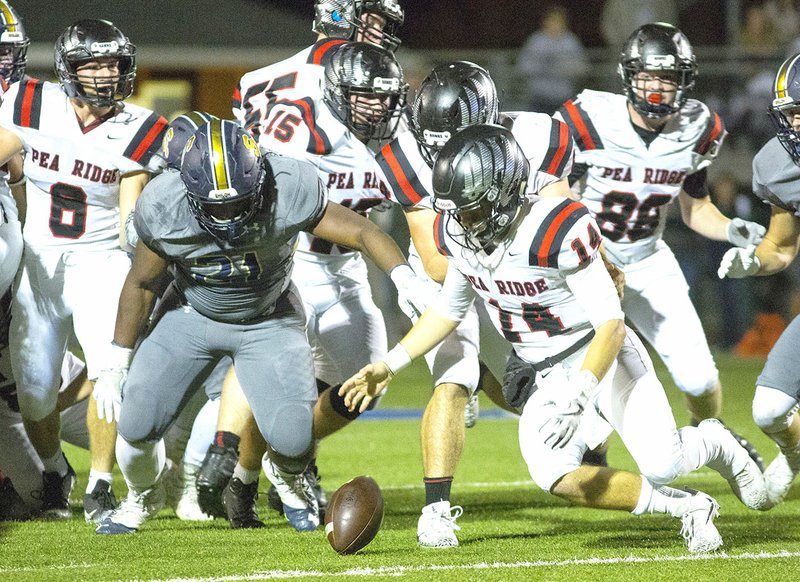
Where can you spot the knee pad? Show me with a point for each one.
(663, 472)
(37, 404)
(773, 409)
(697, 384)
(289, 430)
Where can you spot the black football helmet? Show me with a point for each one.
(224, 175)
(452, 97)
(786, 98)
(658, 47)
(13, 44)
(479, 181)
(179, 132)
(345, 18)
(90, 40)
(365, 90)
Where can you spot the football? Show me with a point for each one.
(354, 515)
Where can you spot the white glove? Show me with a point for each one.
(743, 233)
(739, 263)
(564, 415)
(108, 386)
(413, 292)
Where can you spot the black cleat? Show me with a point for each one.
(99, 503)
(214, 474)
(240, 504)
(55, 493)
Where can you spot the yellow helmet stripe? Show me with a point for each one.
(8, 17)
(780, 79)
(219, 159)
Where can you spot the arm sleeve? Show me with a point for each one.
(456, 296)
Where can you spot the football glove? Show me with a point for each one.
(743, 233)
(564, 414)
(739, 263)
(413, 293)
(108, 386)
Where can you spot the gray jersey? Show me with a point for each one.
(225, 282)
(776, 177)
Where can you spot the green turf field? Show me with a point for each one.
(510, 529)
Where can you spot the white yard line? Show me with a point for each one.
(402, 570)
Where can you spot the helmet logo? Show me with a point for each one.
(384, 84)
(223, 194)
(659, 61)
(104, 47)
(189, 143)
(165, 142)
(444, 204)
(11, 36)
(435, 138)
(250, 143)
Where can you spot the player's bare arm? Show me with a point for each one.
(420, 226)
(10, 145)
(703, 217)
(342, 226)
(559, 188)
(130, 186)
(772, 255)
(138, 294)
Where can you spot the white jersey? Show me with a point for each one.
(289, 116)
(74, 172)
(527, 282)
(629, 184)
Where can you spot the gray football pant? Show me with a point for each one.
(272, 359)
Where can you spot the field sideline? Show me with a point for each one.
(510, 529)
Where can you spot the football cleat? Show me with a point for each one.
(698, 527)
(240, 504)
(99, 503)
(437, 525)
(187, 507)
(471, 411)
(274, 500)
(297, 496)
(134, 510)
(215, 472)
(55, 493)
(736, 466)
(748, 446)
(779, 477)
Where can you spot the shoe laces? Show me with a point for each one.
(448, 518)
(104, 496)
(701, 515)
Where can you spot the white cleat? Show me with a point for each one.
(471, 411)
(437, 525)
(698, 527)
(132, 513)
(742, 472)
(779, 477)
(187, 507)
(297, 495)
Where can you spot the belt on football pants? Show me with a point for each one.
(551, 361)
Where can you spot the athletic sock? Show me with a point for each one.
(246, 476)
(56, 464)
(95, 476)
(228, 440)
(662, 500)
(437, 489)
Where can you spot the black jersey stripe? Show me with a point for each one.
(406, 186)
(147, 140)
(546, 245)
(28, 104)
(581, 126)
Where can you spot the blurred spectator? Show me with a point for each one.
(552, 61)
(784, 16)
(758, 36)
(621, 17)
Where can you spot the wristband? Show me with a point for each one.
(397, 359)
(118, 357)
(400, 274)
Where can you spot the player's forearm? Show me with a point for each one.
(380, 248)
(135, 304)
(703, 217)
(431, 328)
(774, 258)
(604, 347)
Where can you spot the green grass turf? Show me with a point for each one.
(510, 529)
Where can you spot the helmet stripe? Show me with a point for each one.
(8, 17)
(781, 78)
(197, 118)
(217, 149)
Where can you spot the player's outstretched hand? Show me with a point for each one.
(738, 263)
(359, 390)
(743, 233)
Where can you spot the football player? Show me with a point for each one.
(227, 224)
(87, 154)
(295, 83)
(636, 154)
(454, 96)
(775, 179)
(534, 263)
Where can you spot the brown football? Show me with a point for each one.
(354, 515)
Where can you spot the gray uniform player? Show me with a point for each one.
(227, 224)
(776, 176)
